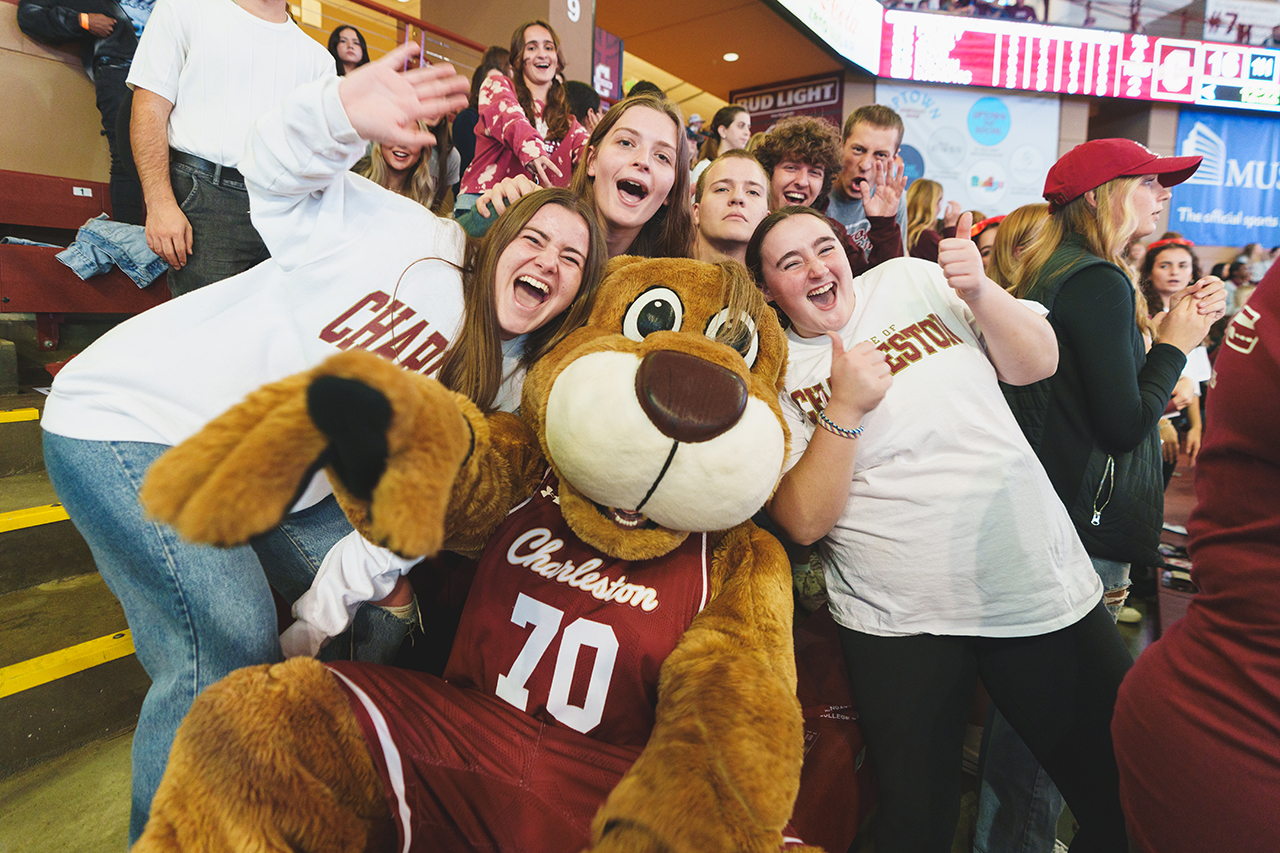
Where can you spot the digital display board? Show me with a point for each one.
(1041, 58)
(1066, 60)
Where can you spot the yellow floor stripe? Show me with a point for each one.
(10, 416)
(34, 517)
(55, 665)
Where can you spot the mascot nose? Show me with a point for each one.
(687, 398)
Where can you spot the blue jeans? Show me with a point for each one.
(223, 239)
(101, 244)
(196, 612)
(1018, 804)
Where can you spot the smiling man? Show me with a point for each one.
(731, 199)
(801, 154)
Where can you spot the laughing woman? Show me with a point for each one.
(520, 117)
(352, 265)
(634, 173)
(948, 557)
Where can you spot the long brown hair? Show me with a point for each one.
(443, 148)
(473, 365)
(669, 232)
(553, 112)
(494, 58)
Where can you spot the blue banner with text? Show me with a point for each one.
(1232, 198)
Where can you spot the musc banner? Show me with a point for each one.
(1232, 199)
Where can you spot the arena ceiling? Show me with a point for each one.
(690, 39)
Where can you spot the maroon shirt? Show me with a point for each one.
(1197, 723)
(562, 632)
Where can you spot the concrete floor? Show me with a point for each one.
(76, 803)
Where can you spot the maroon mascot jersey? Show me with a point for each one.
(548, 696)
(558, 630)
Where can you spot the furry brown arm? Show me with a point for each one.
(408, 460)
(722, 767)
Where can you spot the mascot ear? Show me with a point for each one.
(619, 262)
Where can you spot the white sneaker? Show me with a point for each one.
(1129, 615)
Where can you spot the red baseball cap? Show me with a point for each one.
(1093, 163)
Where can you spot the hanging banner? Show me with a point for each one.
(606, 75)
(1232, 199)
(989, 149)
(821, 96)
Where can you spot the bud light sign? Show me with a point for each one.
(1232, 199)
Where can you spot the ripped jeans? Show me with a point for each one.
(1115, 583)
(1018, 804)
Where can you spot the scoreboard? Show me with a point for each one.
(1041, 58)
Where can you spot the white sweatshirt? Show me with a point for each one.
(352, 266)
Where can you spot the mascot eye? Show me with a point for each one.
(656, 310)
(739, 334)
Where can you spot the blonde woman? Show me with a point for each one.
(924, 201)
(1093, 424)
(1012, 235)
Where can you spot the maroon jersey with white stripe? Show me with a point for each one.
(567, 634)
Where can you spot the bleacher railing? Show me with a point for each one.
(384, 28)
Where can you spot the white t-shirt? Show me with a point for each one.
(221, 68)
(453, 168)
(951, 526)
(339, 246)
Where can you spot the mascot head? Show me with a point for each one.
(661, 416)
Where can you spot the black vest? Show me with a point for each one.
(1116, 501)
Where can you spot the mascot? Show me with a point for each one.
(624, 675)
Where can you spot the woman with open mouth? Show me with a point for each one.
(948, 555)
(353, 266)
(634, 173)
(422, 174)
(522, 118)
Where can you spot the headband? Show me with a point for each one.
(1170, 241)
(979, 227)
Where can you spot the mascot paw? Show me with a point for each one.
(395, 444)
(270, 758)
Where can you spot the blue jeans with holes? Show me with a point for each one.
(1018, 804)
(223, 239)
(196, 612)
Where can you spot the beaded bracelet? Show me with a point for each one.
(830, 426)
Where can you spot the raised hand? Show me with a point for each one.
(890, 184)
(384, 103)
(951, 216)
(961, 261)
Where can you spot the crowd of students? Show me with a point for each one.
(975, 445)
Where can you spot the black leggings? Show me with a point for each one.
(1057, 690)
